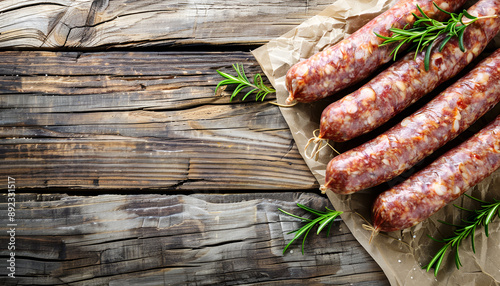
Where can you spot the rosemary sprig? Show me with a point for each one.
(426, 31)
(243, 82)
(323, 220)
(480, 217)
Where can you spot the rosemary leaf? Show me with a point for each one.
(324, 222)
(426, 31)
(444, 42)
(479, 217)
(427, 57)
(258, 87)
(323, 219)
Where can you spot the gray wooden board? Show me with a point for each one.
(130, 120)
(199, 239)
(84, 24)
(141, 122)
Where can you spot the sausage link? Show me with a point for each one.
(357, 56)
(441, 182)
(418, 135)
(406, 81)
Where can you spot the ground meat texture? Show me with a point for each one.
(417, 136)
(406, 81)
(441, 182)
(357, 56)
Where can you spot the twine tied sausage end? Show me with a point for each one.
(319, 144)
(374, 231)
(323, 189)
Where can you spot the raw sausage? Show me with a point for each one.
(407, 81)
(441, 182)
(357, 56)
(418, 135)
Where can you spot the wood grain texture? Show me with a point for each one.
(177, 240)
(122, 23)
(128, 120)
(141, 122)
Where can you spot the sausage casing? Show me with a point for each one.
(357, 56)
(443, 181)
(418, 135)
(406, 81)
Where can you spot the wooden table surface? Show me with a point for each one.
(130, 171)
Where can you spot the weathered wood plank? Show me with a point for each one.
(103, 23)
(176, 240)
(139, 120)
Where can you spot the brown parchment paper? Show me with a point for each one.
(402, 256)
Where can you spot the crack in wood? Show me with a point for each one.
(227, 244)
(145, 23)
(22, 5)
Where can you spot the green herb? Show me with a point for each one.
(323, 220)
(426, 31)
(480, 217)
(242, 81)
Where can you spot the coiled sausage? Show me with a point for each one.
(443, 181)
(357, 56)
(417, 136)
(406, 81)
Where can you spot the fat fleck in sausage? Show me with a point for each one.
(441, 182)
(407, 81)
(418, 135)
(357, 56)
